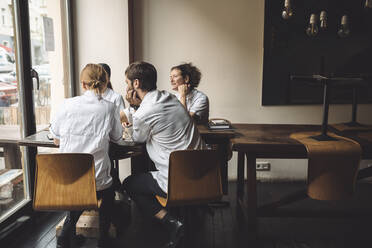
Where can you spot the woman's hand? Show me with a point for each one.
(132, 98)
(183, 89)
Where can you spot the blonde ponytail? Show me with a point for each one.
(94, 77)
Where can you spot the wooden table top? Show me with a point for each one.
(41, 139)
(273, 141)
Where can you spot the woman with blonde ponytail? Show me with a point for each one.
(94, 77)
(86, 124)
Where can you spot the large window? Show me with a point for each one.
(49, 56)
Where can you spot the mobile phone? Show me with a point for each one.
(49, 136)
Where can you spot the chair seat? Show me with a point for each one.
(65, 181)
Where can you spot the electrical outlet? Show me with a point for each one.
(262, 166)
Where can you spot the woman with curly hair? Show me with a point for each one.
(185, 78)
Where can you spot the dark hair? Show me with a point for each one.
(107, 68)
(191, 71)
(144, 72)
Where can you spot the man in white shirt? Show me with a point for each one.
(165, 125)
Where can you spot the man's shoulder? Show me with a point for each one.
(159, 97)
(156, 103)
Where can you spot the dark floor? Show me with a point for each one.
(227, 229)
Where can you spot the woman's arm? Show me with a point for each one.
(183, 90)
(116, 132)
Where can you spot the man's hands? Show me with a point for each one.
(183, 89)
(133, 98)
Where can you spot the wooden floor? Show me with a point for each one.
(226, 228)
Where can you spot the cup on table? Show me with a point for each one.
(128, 132)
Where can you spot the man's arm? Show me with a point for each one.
(141, 130)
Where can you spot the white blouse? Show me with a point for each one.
(197, 102)
(115, 98)
(164, 124)
(86, 124)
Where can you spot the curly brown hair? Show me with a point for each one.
(187, 69)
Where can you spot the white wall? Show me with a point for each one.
(225, 40)
(101, 29)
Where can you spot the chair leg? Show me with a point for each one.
(187, 221)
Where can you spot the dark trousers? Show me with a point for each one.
(105, 215)
(142, 188)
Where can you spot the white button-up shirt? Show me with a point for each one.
(115, 98)
(197, 102)
(164, 124)
(86, 124)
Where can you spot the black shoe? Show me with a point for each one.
(63, 242)
(175, 229)
(78, 240)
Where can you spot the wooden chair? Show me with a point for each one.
(194, 178)
(65, 181)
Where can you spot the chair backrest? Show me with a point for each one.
(194, 177)
(65, 181)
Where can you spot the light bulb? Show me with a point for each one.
(368, 4)
(323, 20)
(312, 30)
(287, 11)
(344, 30)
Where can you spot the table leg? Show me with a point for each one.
(240, 186)
(222, 150)
(251, 195)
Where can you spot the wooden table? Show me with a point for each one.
(41, 139)
(268, 141)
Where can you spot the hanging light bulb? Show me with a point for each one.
(323, 20)
(368, 4)
(287, 11)
(312, 30)
(344, 30)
